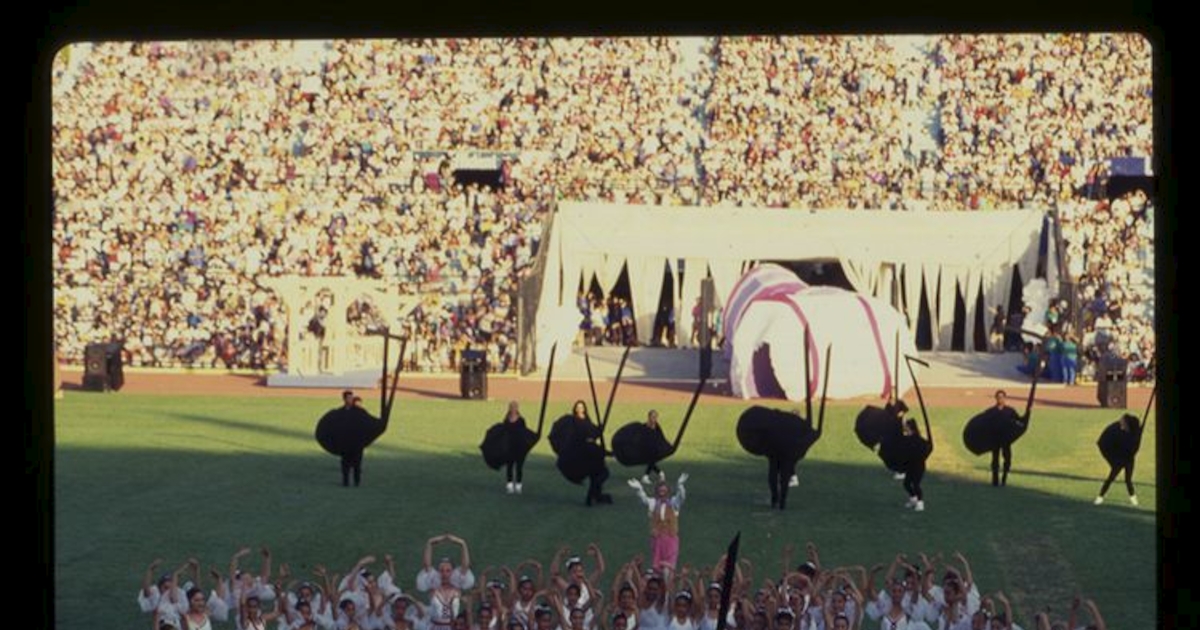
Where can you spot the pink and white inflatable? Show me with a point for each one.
(769, 313)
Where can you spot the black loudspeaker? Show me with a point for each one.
(102, 367)
(1111, 383)
(473, 375)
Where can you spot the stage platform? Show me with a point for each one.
(947, 369)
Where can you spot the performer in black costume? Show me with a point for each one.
(880, 428)
(912, 451)
(783, 437)
(996, 428)
(579, 444)
(508, 442)
(1119, 444)
(643, 443)
(887, 427)
(576, 440)
(352, 457)
(914, 469)
(348, 430)
(1012, 423)
(514, 423)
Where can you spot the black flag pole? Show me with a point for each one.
(611, 394)
(687, 416)
(1037, 372)
(824, 389)
(387, 414)
(896, 370)
(731, 556)
(1149, 403)
(383, 379)
(920, 399)
(807, 381)
(1146, 415)
(587, 362)
(546, 390)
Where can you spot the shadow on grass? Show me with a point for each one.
(297, 500)
(266, 431)
(1098, 479)
(428, 393)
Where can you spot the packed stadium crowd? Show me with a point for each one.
(574, 593)
(1111, 249)
(188, 173)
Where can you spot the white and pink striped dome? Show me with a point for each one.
(769, 314)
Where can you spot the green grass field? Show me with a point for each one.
(137, 477)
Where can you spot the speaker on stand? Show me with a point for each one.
(1111, 383)
(102, 370)
(473, 375)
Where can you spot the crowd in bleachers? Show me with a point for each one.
(1110, 247)
(578, 592)
(186, 173)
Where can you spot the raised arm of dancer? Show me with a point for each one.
(220, 587)
(556, 601)
(427, 555)
(464, 563)
(482, 586)
(593, 550)
(325, 613)
(857, 570)
(537, 571)
(747, 569)
(1008, 614)
(968, 577)
(348, 582)
(290, 613)
(498, 603)
(1095, 612)
(639, 580)
(697, 585)
(387, 580)
(556, 567)
(233, 561)
(926, 563)
(285, 573)
(641, 492)
(376, 607)
(148, 581)
(619, 580)
(278, 610)
(926, 585)
(265, 574)
(511, 577)
(899, 560)
(813, 557)
(788, 550)
(871, 592)
(857, 596)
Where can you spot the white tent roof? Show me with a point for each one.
(971, 250)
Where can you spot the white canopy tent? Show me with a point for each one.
(952, 252)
